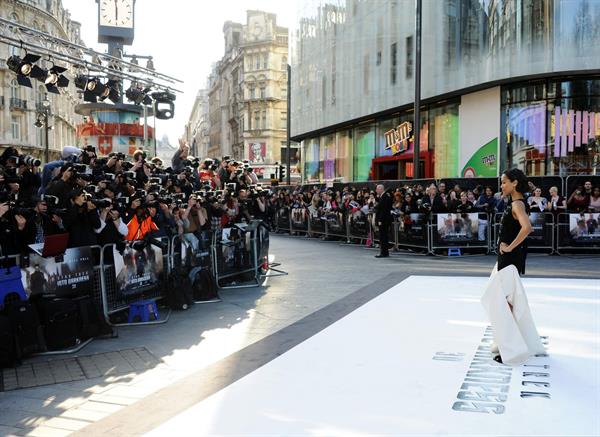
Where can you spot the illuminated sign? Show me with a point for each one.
(398, 140)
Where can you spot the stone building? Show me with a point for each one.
(197, 131)
(247, 95)
(19, 105)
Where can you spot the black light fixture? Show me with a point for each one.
(55, 79)
(110, 91)
(24, 67)
(91, 86)
(138, 95)
(164, 106)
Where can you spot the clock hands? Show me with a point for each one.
(117, 11)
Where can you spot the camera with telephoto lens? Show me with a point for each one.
(130, 174)
(27, 160)
(50, 200)
(126, 165)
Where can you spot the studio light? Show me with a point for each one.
(138, 95)
(110, 91)
(150, 64)
(91, 86)
(164, 106)
(24, 68)
(55, 79)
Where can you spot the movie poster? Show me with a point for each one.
(412, 228)
(137, 270)
(457, 227)
(584, 227)
(71, 275)
(538, 222)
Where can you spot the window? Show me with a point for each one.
(284, 62)
(409, 57)
(333, 90)
(252, 92)
(264, 119)
(15, 127)
(378, 61)
(283, 119)
(249, 63)
(266, 61)
(263, 91)
(257, 62)
(14, 89)
(394, 59)
(256, 120)
(324, 91)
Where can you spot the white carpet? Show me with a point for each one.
(397, 365)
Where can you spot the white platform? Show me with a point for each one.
(379, 371)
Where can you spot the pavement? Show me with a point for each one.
(131, 384)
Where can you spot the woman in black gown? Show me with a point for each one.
(514, 228)
(515, 225)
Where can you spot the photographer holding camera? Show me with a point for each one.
(45, 221)
(82, 219)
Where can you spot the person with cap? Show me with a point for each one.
(81, 219)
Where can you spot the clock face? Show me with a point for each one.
(116, 13)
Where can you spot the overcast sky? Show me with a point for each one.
(184, 36)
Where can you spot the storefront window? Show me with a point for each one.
(443, 139)
(364, 151)
(328, 157)
(311, 160)
(343, 164)
(384, 126)
(524, 136)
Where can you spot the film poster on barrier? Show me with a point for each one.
(584, 228)
(457, 228)
(538, 222)
(66, 276)
(137, 270)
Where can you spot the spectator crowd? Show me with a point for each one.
(106, 200)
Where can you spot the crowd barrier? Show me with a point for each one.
(121, 274)
(475, 232)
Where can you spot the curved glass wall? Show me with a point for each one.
(352, 58)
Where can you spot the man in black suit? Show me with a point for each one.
(383, 218)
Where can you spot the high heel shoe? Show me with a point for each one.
(498, 359)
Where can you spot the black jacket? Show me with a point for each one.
(383, 209)
(81, 224)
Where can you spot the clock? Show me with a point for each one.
(116, 13)
(116, 21)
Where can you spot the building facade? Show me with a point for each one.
(247, 95)
(197, 129)
(504, 83)
(19, 105)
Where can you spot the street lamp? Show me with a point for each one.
(42, 121)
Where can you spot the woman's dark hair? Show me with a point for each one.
(514, 174)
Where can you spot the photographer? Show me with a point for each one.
(112, 228)
(81, 219)
(62, 185)
(141, 224)
(13, 239)
(44, 222)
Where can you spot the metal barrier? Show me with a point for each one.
(236, 256)
(458, 230)
(114, 300)
(335, 223)
(283, 220)
(317, 224)
(299, 220)
(578, 231)
(359, 226)
(542, 237)
(193, 250)
(412, 231)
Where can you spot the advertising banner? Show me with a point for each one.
(65, 276)
(457, 228)
(584, 228)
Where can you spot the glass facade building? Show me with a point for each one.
(504, 83)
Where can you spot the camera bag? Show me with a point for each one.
(60, 320)
(8, 351)
(179, 290)
(26, 328)
(204, 285)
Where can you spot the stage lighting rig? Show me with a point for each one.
(138, 95)
(110, 91)
(164, 106)
(24, 68)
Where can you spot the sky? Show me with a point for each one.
(185, 37)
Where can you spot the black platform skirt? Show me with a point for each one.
(517, 258)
